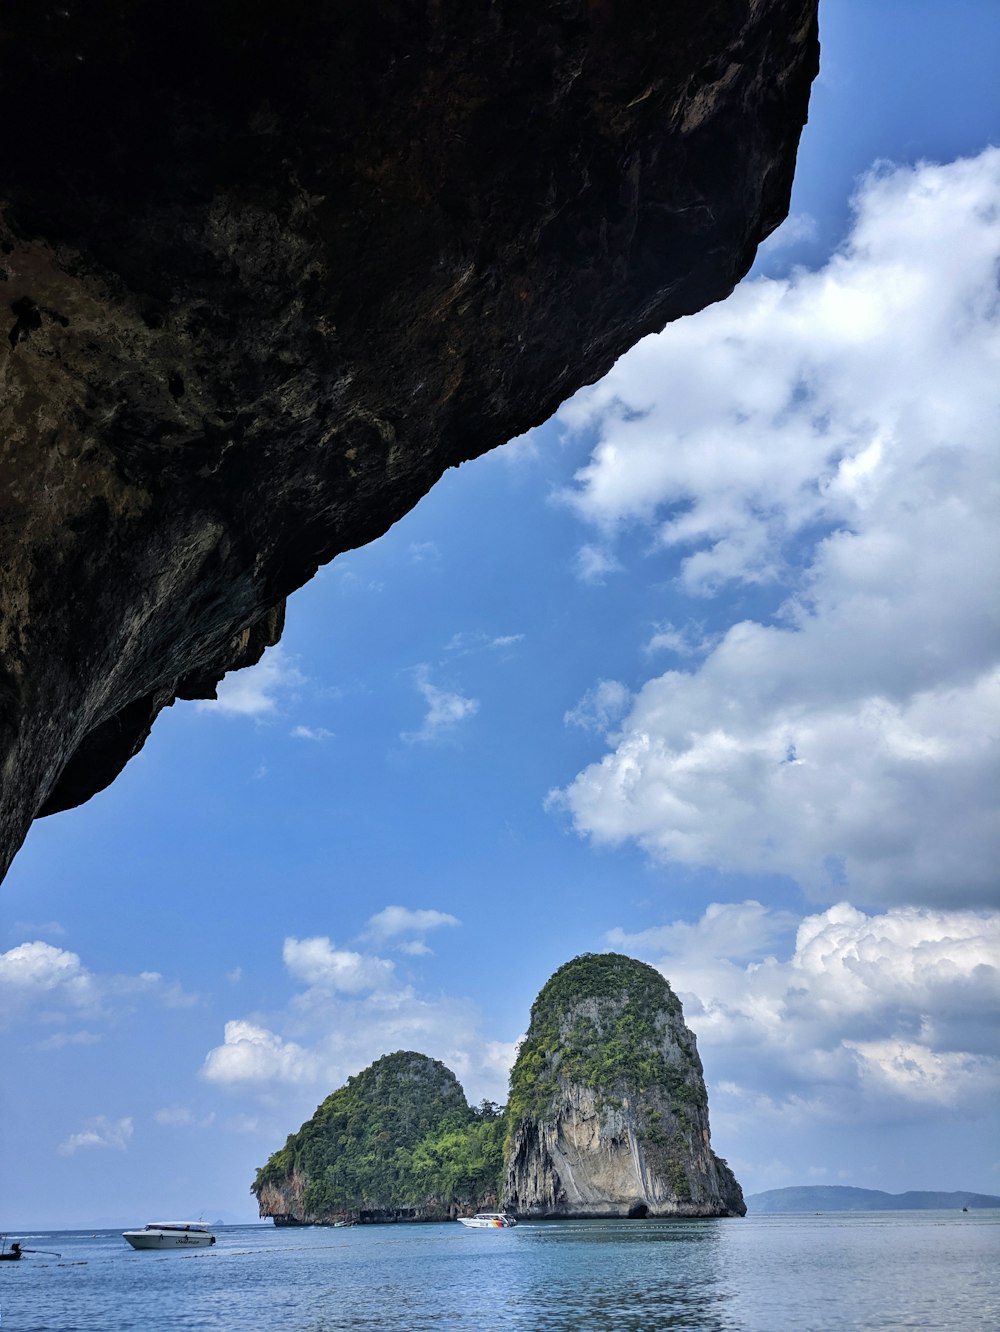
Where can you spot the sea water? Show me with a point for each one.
(783, 1273)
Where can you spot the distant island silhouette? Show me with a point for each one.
(844, 1198)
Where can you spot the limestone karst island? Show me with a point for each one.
(607, 1117)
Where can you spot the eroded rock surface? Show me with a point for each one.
(608, 1113)
(270, 269)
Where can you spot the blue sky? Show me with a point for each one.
(703, 670)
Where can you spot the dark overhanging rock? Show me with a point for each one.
(270, 269)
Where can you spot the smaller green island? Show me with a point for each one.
(398, 1142)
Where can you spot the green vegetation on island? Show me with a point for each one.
(607, 1047)
(607, 1039)
(612, 1044)
(400, 1135)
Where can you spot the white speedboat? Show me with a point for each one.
(489, 1221)
(170, 1235)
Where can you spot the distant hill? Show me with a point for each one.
(842, 1198)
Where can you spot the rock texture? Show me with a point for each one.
(608, 1114)
(269, 269)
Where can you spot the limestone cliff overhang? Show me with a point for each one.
(269, 269)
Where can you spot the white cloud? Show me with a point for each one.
(908, 1069)
(255, 691)
(468, 642)
(317, 962)
(99, 1132)
(499, 1056)
(744, 930)
(337, 1036)
(519, 451)
(33, 970)
(866, 1015)
(350, 1014)
(406, 928)
(445, 710)
(832, 435)
(37, 979)
(594, 561)
(687, 641)
(601, 707)
(251, 1054)
(796, 227)
(311, 733)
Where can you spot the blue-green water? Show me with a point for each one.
(786, 1273)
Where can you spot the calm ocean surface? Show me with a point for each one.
(775, 1273)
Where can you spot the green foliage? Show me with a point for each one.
(667, 1154)
(396, 1135)
(677, 1176)
(594, 1024)
(400, 1134)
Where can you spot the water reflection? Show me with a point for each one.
(627, 1275)
(852, 1271)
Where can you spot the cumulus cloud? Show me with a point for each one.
(317, 962)
(909, 1069)
(352, 1012)
(831, 436)
(337, 1036)
(99, 1132)
(689, 640)
(256, 691)
(797, 227)
(498, 1057)
(47, 982)
(445, 710)
(842, 1012)
(733, 930)
(252, 1055)
(595, 561)
(601, 707)
(36, 969)
(405, 929)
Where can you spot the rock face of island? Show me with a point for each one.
(608, 1114)
(398, 1142)
(269, 270)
